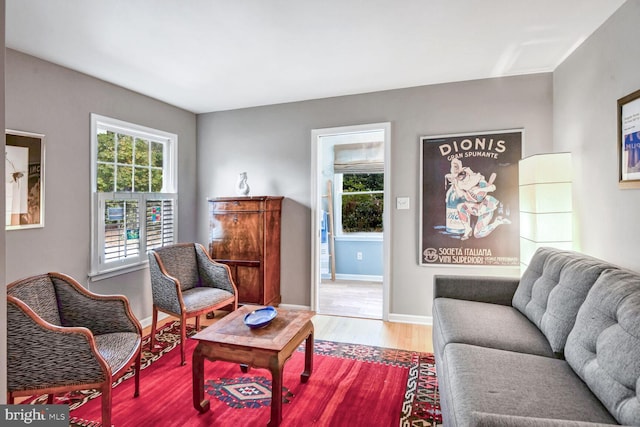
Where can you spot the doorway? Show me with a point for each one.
(350, 220)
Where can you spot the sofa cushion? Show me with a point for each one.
(552, 290)
(486, 380)
(482, 419)
(604, 346)
(486, 325)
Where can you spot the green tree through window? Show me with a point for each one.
(362, 202)
(128, 164)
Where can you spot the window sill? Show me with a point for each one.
(368, 237)
(113, 272)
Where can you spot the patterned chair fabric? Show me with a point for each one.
(186, 282)
(61, 337)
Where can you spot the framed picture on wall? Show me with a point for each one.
(469, 199)
(24, 180)
(629, 141)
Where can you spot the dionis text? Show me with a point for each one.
(480, 147)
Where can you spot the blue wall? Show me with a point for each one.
(347, 262)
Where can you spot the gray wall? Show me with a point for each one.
(45, 98)
(273, 144)
(586, 88)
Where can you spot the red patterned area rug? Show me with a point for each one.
(351, 385)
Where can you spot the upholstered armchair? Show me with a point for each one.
(185, 283)
(61, 337)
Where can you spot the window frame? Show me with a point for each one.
(338, 192)
(100, 269)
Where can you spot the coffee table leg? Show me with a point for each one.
(197, 377)
(308, 358)
(276, 394)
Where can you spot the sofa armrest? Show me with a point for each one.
(496, 290)
(483, 419)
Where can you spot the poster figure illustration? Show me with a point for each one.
(24, 158)
(474, 225)
(470, 192)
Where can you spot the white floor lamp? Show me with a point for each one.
(545, 203)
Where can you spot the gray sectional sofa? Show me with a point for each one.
(558, 347)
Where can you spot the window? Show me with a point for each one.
(359, 180)
(134, 194)
(361, 199)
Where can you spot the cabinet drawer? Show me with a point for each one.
(237, 206)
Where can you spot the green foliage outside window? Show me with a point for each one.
(362, 203)
(128, 164)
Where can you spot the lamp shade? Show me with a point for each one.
(545, 203)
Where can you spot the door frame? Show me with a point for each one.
(316, 196)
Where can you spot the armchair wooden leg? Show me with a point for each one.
(183, 338)
(198, 323)
(154, 321)
(10, 398)
(106, 404)
(136, 393)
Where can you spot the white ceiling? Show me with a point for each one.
(212, 55)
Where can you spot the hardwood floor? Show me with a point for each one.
(358, 331)
(350, 298)
(373, 332)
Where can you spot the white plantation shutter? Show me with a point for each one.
(131, 224)
(121, 230)
(160, 223)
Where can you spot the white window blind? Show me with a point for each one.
(361, 157)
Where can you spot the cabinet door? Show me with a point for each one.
(250, 288)
(236, 236)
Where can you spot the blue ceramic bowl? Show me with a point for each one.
(260, 318)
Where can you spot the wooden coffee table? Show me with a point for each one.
(230, 340)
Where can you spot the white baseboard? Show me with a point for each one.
(295, 307)
(147, 320)
(405, 318)
(355, 277)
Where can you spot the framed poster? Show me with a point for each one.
(629, 141)
(469, 207)
(24, 180)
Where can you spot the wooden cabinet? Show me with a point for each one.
(244, 233)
